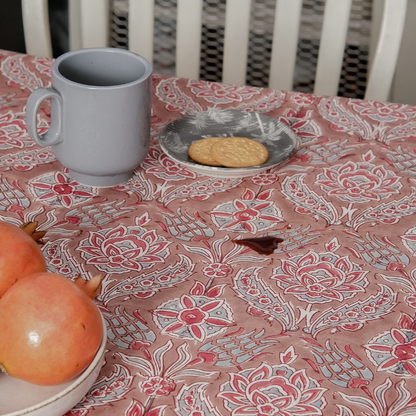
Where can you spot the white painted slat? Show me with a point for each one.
(236, 35)
(188, 38)
(74, 23)
(141, 27)
(95, 23)
(36, 28)
(285, 42)
(332, 46)
(387, 51)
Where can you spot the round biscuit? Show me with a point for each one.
(239, 152)
(200, 151)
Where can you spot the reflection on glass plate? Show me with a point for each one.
(278, 138)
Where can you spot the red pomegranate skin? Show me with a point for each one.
(20, 256)
(50, 330)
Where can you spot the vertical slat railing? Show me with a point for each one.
(95, 23)
(285, 42)
(188, 38)
(141, 27)
(332, 46)
(36, 28)
(387, 51)
(236, 37)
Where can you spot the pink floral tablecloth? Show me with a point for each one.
(198, 325)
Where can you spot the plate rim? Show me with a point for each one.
(217, 170)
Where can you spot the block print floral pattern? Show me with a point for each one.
(58, 189)
(394, 351)
(193, 317)
(252, 213)
(384, 112)
(199, 325)
(214, 92)
(320, 277)
(272, 390)
(359, 182)
(123, 249)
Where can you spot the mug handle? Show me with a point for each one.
(53, 135)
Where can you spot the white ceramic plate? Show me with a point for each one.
(19, 398)
(278, 138)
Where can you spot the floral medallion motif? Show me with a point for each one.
(252, 213)
(193, 317)
(272, 390)
(394, 351)
(383, 111)
(123, 249)
(217, 93)
(359, 182)
(320, 278)
(57, 189)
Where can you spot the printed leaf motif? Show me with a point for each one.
(27, 160)
(168, 92)
(99, 214)
(288, 356)
(160, 380)
(352, 317)
(252, 289)
(402, 405)
(265, 104)
(380, 253)
(387, 212)
(138, 185)
(128, 331)
(343, 368)
(14, 69)
(186, 227)
(12, 197)
(344, 120)
(307, 201)
(344, 411)
(237, 348)
(146, 285)
(192, 400)
(201, 190)
(108, 389)
(400, 132)
(59, 259)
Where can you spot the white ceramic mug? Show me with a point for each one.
(100, 110)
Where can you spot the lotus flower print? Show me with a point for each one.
(359, 182)
(123, 249)
(272, 391)
(320, 278)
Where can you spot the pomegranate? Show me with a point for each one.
(20, 255)
(50, 329)
(90, 287)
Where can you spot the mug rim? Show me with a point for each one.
(147, 65)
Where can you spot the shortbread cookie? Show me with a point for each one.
(200, 151)
(239, 152)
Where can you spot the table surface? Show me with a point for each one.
(198, 325)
